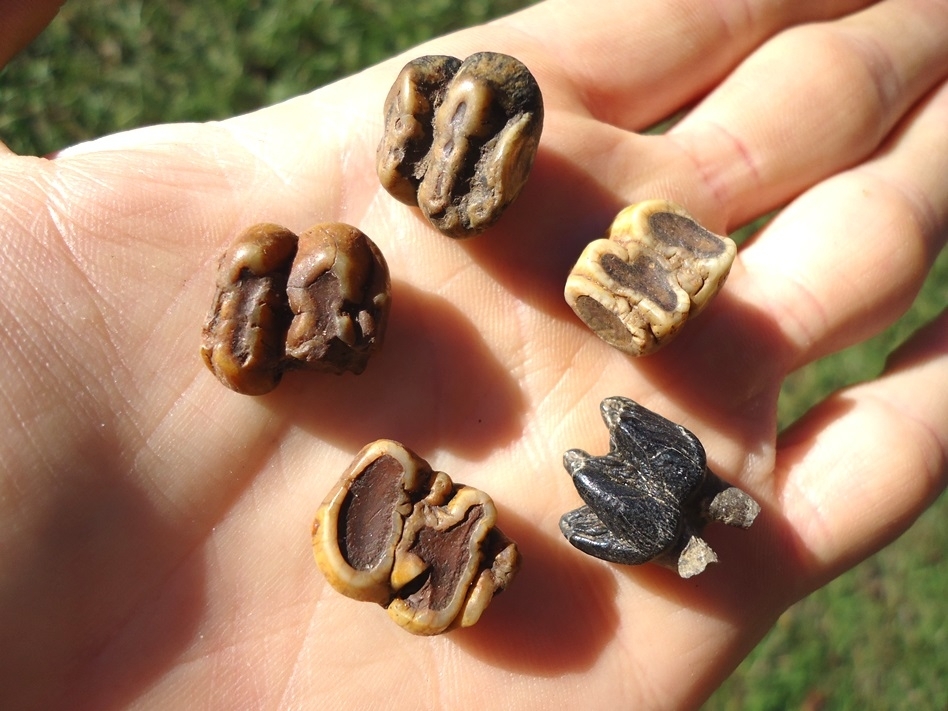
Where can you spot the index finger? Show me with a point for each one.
(659, 57)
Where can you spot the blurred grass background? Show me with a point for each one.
(876, 638)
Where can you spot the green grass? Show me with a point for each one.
(876, 638)
(108, 65)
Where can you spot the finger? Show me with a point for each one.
(22, 21)
(839, 264)
(848, 257)
(659, 56)
(813, 100)
(857, 471)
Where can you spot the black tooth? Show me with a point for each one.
(640, 497)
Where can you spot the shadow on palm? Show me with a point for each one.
(436, 384)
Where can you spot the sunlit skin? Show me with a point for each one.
(155, 526)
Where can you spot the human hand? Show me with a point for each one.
(156, 546)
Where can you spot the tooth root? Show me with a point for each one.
(695, 557)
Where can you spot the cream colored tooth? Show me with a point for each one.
(655, 268)
(393, 531)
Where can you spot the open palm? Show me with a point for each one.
(155, 547)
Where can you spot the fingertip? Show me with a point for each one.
(23, 20)
(858, 469)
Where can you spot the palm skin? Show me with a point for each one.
(155, 548)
